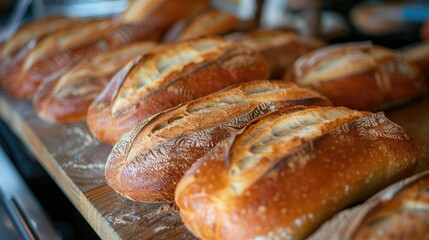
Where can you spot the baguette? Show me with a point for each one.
(280, 48)
(175, 74)
(148, 161)
(418, 54)
(360, 76)
(14, 49)
(62, 49)
(398, 212)
(287, 173)
(66, 98)
(160, 14)
(211, 21)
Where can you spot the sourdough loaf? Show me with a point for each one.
(66, 98)
(63, 48)
(160, 14)
(147, 162)
(360, 76)
(287, 173)
(280, 48)
(398, 212)
(210, 21)
(15, 48)
(175, 74)
(418, 54)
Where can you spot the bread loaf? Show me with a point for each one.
(66, 98)
(280, 48)
(210, 21)
(160, 14)
(287, 173)
(175, 74)
(148, 161)
(360, 76)
(418, 54)
(398, 212)
(63, 48)
(15, 48)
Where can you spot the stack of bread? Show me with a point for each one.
(195, 119)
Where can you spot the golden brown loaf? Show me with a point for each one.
(147, 162)
(360, 76)
(67, 97)
(175, 74)
(207, 22)
(290, 171)
(15, 48)
(63, 48)
(418, 54)
(161, 14)
(398, 212)
(280, 48)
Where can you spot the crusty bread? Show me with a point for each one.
(360, 76)
(148, 161)
(63, 48)
(290, 171)
(161, 14)
(15, 48)
(280, 48)
(175, 74)
(418, 54)
(66, 98)
(210, 21)
(398, 212)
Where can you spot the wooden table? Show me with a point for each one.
(75, 160)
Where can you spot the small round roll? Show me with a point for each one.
(291, 170)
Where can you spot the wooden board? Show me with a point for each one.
(75, 160)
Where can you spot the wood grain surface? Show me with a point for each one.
(75, 160)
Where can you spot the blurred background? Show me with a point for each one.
(391, 23)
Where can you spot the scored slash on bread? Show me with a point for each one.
(359, 75)
(398, 212)
(14, 49)
(63, 48)
(175, 74)
(66, 98)
(291, 170)
(147, 162)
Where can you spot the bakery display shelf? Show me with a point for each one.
(76, 160)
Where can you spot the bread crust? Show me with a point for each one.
(360, 76)
(14, 49)
(418, 54)
(280, 48)
(66, 98)
(290, 171)
(176, 74)
(63, 48)
(162, 14)
(397, 212)
(147, 162)
(207, 22)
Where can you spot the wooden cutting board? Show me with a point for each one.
(75, 160)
